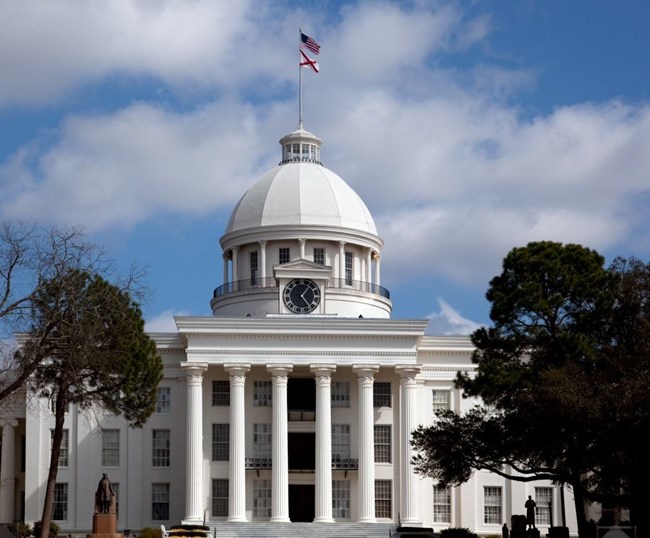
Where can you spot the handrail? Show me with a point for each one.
(254, 284)
(345, 464)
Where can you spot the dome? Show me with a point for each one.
(300, 191)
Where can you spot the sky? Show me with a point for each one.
(467, 127)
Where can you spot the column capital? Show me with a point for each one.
(11, 422)
(365, 371)
(322, 370)
(302, 240)
(408, 373)
(194, 371)
(342, 243)
(262, 242)
(279, 370)
(237, 369)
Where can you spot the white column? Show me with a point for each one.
(366, 374)
(237, 454)
(323, 508)
(280, 443)
(342, 263)
(194, 467)
(302, 242)
(225, 269)
(369, 266)
(235, 270)
(377, 269)
(408, 422)
(8, 471)
(262, 262)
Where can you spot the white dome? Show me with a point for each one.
(301, 193)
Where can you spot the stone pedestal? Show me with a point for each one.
(105, 526)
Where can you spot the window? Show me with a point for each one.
(341, 499)
(348, 268)
(221, 392)
(160, 502)
(65, 447)
(261, 498)
(319, 256)
(544, 500)
(110, 448)
(220, 497)
(262, 393)
(261, 440)
(441, 504)
(382, 444)
(160, 444)
(163, 400)
(220, 442)
(492, 506)
(383, 498)
(441, 400)
(381, 394)
(340, 441)
(285, 255)
(340, 394)
(60, 506)
(253, 259)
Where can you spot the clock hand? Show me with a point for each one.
(302, 296)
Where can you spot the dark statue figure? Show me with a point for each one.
(530, 513)
(104, 496)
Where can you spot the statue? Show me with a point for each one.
(104, 496)
(530, 513)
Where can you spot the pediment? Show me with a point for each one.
(302, 269)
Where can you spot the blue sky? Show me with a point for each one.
(468, 128)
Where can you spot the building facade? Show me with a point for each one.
(293, 402)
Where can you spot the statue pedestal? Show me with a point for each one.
(104, 526)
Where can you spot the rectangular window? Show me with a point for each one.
(160, 502)
(163, 400)
(262, 393)
(262, 498)
(261, 440)
(319, 256)
(383, 498)
(381, 394)
(65, 447)
(220, 497)
(161, 447)
(382, 444)
(284, 255)
(110, 448)
(221, 392)
(441, 400)
(60, 506)
(340, 441)
(220, 442)
(348, 268)
(341, 499)
(254, 268)
(492, 506)
(441, 504)
(544, 508)
(340, 394)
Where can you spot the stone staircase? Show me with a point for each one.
(300, 530)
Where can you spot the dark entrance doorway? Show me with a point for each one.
(301, 399)
(302, 452)
(301, 502)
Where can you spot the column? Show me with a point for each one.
(262, 263)
(342, 263)
(225, 269)
(8, 470)
(237, 454)
(280, 443)
(369, 267)
(377, 280)
(408, 422)
(194, 468)
(366, 486)
(323, 376)
(235, 270)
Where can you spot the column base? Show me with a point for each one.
(367, 520)
(411, 522)
(280, 520)
(237, 519)
(192, 521)
(323, 520)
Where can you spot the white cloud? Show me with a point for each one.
(448, 321)
(163, 322)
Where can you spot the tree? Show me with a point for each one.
(30, 256)
(539, 375)
(89, 344)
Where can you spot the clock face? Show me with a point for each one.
(301, 295)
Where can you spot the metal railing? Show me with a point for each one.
(253, 284)
(345, 464)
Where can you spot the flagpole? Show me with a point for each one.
(299, 80)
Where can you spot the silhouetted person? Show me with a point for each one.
(530, 513)
(104, 495)
(505, 533)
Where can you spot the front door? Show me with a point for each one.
(301, 502)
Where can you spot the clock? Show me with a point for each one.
(301, 295)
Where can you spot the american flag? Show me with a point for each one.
(308, 43)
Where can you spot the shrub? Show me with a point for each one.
(457, 532)
(54, 529)
(21, 530)
(149, 532)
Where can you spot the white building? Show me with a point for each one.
(294, 402)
